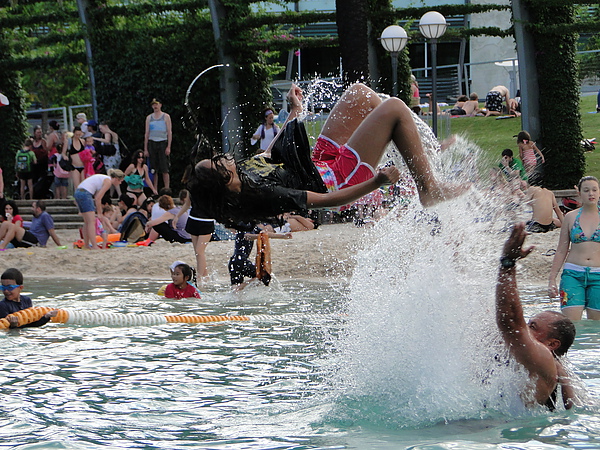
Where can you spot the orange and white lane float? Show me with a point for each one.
(97, 318)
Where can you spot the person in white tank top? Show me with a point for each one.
(88, 197)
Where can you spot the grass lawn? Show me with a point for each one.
(493, 135)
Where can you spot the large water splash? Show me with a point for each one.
(421, 345)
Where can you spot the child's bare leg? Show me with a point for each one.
(356, 103)
(30, 185)
(392, 121)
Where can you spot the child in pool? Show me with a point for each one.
(12, 285)
(183, 277)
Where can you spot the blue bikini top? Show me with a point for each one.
(577, 235)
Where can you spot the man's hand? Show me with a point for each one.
(388, 175)
(513, 248)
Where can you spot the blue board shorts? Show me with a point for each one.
(580, 286)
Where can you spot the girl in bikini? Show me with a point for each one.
(74, 148)
(527, 152)
(135, 175)
(579, 246)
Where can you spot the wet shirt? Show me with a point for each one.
(172, 291)
(8, 307)
(276, 189)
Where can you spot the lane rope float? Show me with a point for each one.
(97, 318)
(70, 317)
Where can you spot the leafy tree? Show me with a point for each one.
(12, 117)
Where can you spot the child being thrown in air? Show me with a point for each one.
(184, 279)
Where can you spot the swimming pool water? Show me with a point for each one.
(268, 384)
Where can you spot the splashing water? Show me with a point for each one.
(422, 345)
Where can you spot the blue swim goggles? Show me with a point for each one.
(9, 287)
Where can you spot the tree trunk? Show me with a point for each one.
(230, 112)
(353, 38)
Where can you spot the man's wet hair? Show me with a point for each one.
(564, 331)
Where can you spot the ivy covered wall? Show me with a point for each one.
(13, 130)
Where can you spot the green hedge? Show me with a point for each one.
(559, 93)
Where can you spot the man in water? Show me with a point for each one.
(537, 344)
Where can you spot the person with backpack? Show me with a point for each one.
(24, 161)
(266, 131)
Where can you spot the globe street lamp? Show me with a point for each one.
(394, 39)
(432, 26)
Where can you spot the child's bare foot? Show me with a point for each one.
(442, 192)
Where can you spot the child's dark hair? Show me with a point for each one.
(146, 202)
(13, 274)
(523, 136)
(189, 273)
(129, 201)
(507, 152)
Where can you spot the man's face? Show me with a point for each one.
(12, 290)
(35, 210)
(540, 326)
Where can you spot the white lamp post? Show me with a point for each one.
(432, 26)
(394, 39)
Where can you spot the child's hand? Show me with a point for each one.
(51, 314)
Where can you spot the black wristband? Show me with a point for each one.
(507, 262)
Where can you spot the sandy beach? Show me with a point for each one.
(326, 252)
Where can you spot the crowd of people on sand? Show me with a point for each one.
(270, 194)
